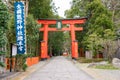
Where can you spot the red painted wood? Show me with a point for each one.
(64, 21)
(76, 50)
(63, 29)
(72, 29)
(45, 37)
(72, 49)
(46, 40)
(74, 43)
(44, 48)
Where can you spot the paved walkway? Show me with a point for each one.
(30, 70)
(59, 68)
(7, 75)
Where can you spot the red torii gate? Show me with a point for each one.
(72, 28)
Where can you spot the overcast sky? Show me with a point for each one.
(63, 5)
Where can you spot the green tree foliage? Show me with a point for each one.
(59, 42)
(41, 8)
(99, 28)
(10, 33)
(100, 22)
(32, 34)
(55, 42)
(3, 27)
(20, 62)
(78, 9)
(109, 43)
(67, 42)
(11, 30)
(114, 7)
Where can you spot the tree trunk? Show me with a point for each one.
(113, 13)
(26, 8)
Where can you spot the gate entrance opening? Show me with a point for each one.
(59, 23)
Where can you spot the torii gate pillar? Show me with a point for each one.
(44, 43)
(74, 46)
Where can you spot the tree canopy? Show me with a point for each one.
(99, 28)
(41, 8)
(4, 16)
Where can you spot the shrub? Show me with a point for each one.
(24, 67)
(20, 62)
(108, 66)
(84, 60)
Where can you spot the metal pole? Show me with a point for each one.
(10, 57)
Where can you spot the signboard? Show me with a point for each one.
(20, 27)
(59, 24)
(14, 50)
